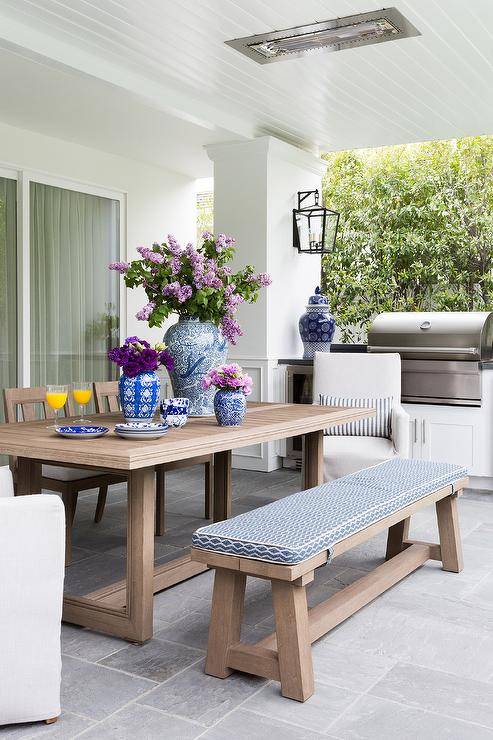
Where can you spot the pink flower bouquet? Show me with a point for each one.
(228, 378)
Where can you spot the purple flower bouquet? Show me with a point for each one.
(228, 378)
(137, 356)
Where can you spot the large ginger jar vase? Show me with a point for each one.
(139, 396)
(196, 347)
(316, 326)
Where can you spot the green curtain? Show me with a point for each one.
(8, 286)
(74, 297)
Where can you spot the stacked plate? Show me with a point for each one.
(81, 432)
(141, 430)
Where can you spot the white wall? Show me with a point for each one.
(158, 201)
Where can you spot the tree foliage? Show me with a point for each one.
(416, 230)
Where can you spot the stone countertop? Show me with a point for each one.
(333, 348)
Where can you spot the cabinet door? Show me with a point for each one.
(447, 442)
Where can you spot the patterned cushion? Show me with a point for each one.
(375, 426)
(299, 526)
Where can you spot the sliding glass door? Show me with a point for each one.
(8, 284)
(74, 298)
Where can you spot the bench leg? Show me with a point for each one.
(395, 538)
(226, 616)
(293, 640)
(448, 528)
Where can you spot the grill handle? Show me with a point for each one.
(426, 350)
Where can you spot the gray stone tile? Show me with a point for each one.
(352, 669)
(194, 695)
(157, 660)
(93, 573)
(317, 713)
(462, 698)
(478, 495)
(99, 537)
(193, 630)
(137, 721)
(481, 536)
(95, 691)
(68, 726)
(370, 718)
(424, 629)
(200, 587)
(482, 593)
(88, 645)
(244, 725)
(171, 605)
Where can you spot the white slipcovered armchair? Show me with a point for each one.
(358, 375)
(32, 564)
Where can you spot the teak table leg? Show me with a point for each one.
(313, 459)
(28, 476)
(160, 528)
(140, 552)
(222, 485)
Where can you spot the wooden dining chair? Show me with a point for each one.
(25, 404)
(106, 397)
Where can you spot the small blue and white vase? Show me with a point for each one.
(229, 407)
(139, 396)
(317, 326)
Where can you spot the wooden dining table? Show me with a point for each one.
(125, 608)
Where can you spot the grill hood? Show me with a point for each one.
(454, 335)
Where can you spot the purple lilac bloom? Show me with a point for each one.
(121, 267)
(175, 265)
(146, 311)
(207, 236)
(231, 329)
(155, 257)
(184, 293)
(264, 279)
(173, 246)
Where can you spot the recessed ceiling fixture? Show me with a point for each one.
(340, 33)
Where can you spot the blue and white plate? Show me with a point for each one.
(81, 432)
(141, 430)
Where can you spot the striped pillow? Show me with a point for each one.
(375, 426)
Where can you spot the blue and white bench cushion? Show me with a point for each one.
(301, 525)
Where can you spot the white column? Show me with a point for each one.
(255, 190)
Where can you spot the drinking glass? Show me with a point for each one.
(56, 398)
(82, 393)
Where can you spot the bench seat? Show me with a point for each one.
(299, 526)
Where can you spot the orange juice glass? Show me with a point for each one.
(82, 393)
(56, 398)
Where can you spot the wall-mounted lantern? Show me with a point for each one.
(314, 226)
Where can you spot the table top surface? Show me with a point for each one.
(263, 422)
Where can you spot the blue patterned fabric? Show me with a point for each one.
(299, 526)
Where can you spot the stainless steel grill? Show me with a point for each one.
(442, 353)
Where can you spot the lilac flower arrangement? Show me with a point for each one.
(228, 378)
(137, 356)
(193, 282)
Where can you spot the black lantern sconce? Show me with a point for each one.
(314, 226)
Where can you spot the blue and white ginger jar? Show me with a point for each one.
(139, 396)
(317, 326)
(196, 347)
(229, 407)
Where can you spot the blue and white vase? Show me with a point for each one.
(317, 326)
(139, 396)
(229, 407)
(196, 347)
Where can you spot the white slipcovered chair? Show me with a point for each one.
(32, 564)
(358, 375)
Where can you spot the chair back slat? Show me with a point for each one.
(106, 396)
(28, 401)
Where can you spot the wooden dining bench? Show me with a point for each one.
(287, 540)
